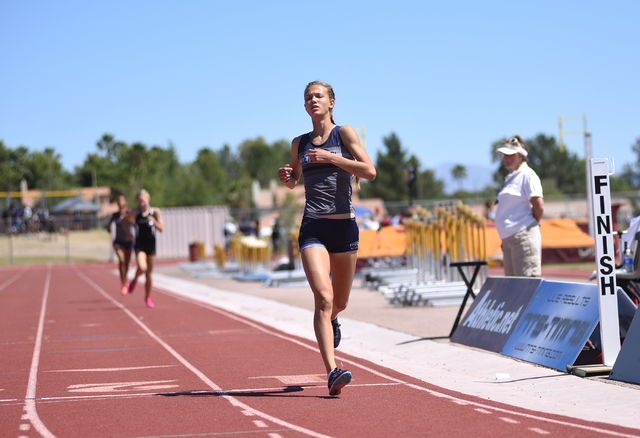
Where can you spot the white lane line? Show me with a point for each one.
(509, 420)
(522, 414)
(540, 431)
(234, 401)
(393, 379)
(110, 370)
(81, 397)
(259, 423)
(278, 335)
(30, 402)
(12, 279)
(122, 386)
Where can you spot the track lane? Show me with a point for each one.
(273, 376)
(112, 353)
(21, 295)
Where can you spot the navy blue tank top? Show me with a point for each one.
(145, 229)
(327, 188)
(121, 234)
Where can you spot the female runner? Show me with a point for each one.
(147, 220)
(123, 242)
(329, 157)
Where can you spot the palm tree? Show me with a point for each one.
(459, 173)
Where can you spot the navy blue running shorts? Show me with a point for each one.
(336, 235)
(124, 244)
(147, 246)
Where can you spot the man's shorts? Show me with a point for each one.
(336, 235)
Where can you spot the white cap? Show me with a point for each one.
(511, 147)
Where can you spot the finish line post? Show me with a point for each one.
(605, 259)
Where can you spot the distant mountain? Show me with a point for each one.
(478, 177)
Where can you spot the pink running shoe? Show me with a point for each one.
(149, 302)
(132, 285)
(125, 289)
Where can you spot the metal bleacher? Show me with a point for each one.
(434, 242)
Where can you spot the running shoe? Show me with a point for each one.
(125, 289)
(149, 302)
(337, 335)
(132, 285)
(338, 379)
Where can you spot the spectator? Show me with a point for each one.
(518, 213)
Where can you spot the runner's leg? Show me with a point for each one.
(316, 263)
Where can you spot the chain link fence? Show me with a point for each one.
(65, 239)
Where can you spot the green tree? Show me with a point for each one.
(389, 183)
(13, 167)
(230, 161)
(459, 173)
(630, 176)
(106, 174)
(261, 160)
(110, 147)
(161, 170)
(129, 168)
(46, 172)
(110, 166)
(206, 182)
(561, 172)
(41, 170)
(429, 187)
(394, 171)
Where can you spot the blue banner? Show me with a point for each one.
(495, 312)
(556, 324)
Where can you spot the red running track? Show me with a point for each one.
(80, 360)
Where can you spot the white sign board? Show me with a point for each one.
(605, 258)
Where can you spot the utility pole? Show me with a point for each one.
(587, 157)
(410, 179)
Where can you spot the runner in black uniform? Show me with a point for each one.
(329, 156)
(123, 242)
(148, 220)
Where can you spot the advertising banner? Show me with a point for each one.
(556, 324)
(495, 312)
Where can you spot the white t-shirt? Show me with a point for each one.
(514, 212)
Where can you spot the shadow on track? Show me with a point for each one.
(434, 338)
(284, 392)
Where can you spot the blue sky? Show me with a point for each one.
(448, 77)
